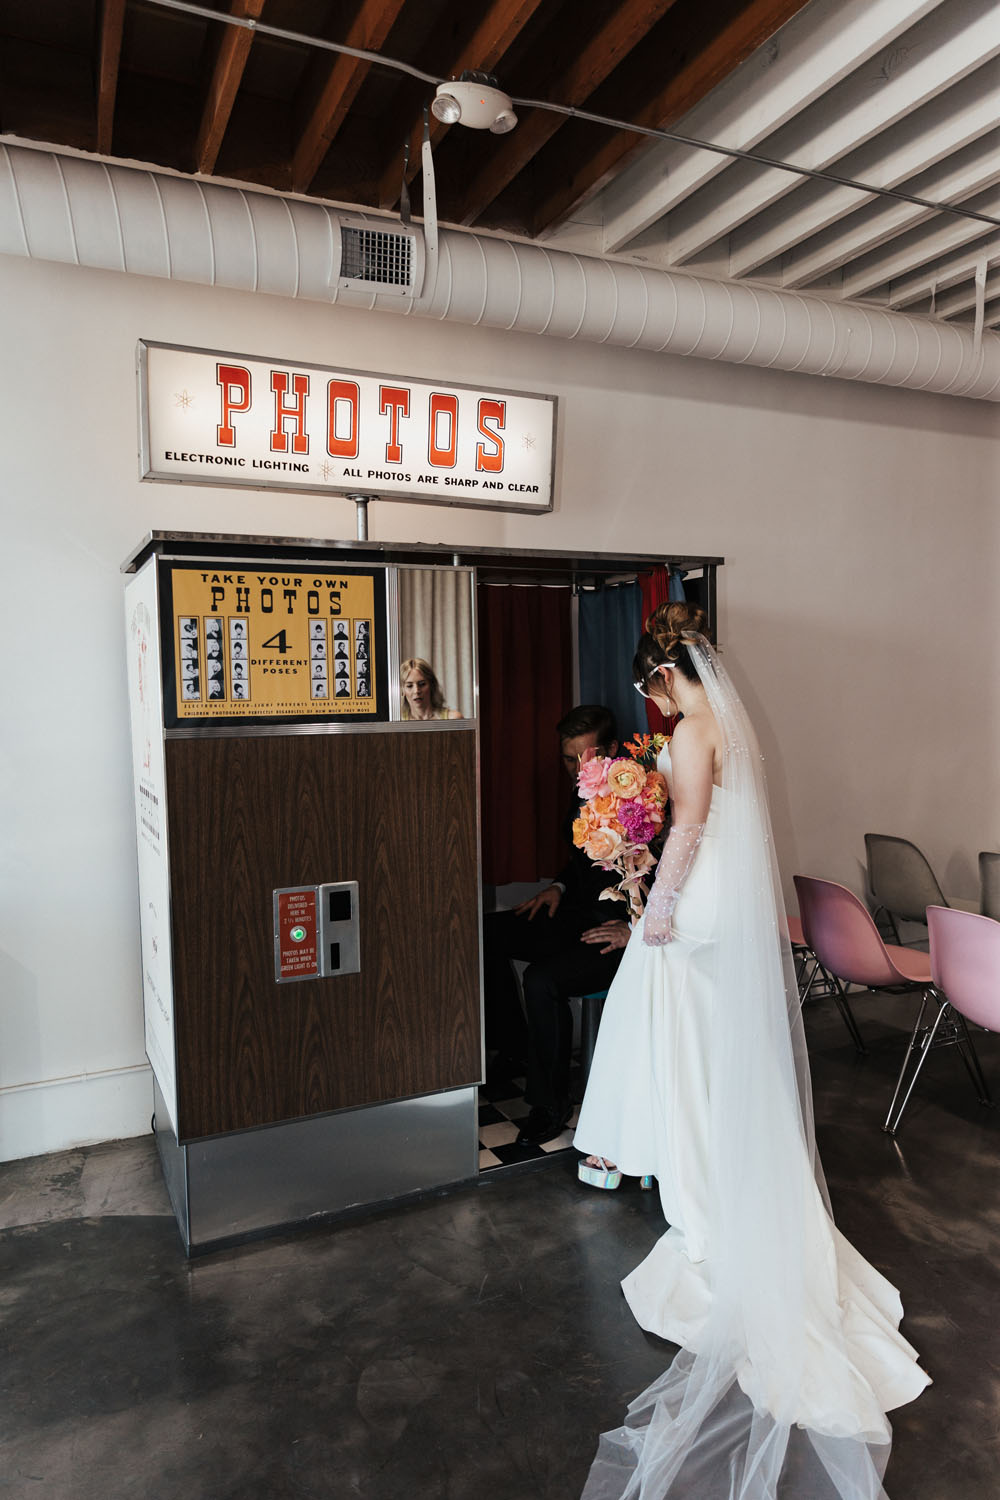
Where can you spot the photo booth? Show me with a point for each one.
(310, 878)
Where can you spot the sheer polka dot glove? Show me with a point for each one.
(675, 862)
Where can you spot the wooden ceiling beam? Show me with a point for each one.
(369, 30)
(623, 30)
(501, 24)
(223, 86)
(704, 67)
(110, 44)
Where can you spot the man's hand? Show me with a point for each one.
(546, 900)
(612, 934)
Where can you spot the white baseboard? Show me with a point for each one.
(58, 1114)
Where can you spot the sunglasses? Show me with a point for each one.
(640, 684)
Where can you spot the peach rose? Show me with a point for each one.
(603, 844)
(626, 778)
(581, 828)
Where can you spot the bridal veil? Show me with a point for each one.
(780, 1394)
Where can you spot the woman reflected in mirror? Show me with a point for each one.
(422, 695)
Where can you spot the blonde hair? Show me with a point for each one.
(417, 664)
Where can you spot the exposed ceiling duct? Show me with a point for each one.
(82, 211)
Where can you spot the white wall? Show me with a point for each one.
(859, 611)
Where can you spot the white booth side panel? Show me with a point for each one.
(149, 781)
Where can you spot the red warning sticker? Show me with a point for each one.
(298, 943)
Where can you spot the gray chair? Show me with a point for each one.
(901, 881)
(989, 885)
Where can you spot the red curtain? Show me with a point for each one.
(525, 687)
(655, 591)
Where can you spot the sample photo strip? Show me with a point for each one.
(239, 663)
(362, 657)
(320, 687)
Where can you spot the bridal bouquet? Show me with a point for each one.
(623, 811)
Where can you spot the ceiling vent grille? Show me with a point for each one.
(380, 260)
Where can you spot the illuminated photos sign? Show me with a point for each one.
(210, 418)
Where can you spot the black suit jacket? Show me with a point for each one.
(584, 882)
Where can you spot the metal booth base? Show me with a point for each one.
(228, 1188)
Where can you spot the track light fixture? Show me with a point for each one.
(474, 100)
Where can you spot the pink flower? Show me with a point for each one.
(636, 821)
(593, 778)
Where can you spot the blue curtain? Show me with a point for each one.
(610, 624)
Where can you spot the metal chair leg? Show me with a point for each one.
(806, 964)
(926, 1043)
(843, 1004)
(972, 1064)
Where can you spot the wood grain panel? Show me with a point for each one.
(246, 816)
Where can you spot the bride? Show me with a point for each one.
(790, 1353)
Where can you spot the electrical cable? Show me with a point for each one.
(653, 132)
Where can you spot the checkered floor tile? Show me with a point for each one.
(501, 1111)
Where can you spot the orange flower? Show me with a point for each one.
(626, 778)
(581, 828)
(656, 787)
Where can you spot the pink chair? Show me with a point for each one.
(840, 930)
(965, 967)
(810, 975)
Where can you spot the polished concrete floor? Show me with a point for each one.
(472, 1346)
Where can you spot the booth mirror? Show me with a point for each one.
(436, 643)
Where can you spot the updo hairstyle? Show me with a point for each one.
(662, 644)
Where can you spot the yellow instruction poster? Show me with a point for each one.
(258, 642)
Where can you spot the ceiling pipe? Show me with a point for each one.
(84, 211)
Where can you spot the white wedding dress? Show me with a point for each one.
(699, 1078)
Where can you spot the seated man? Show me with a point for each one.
(572, 945)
